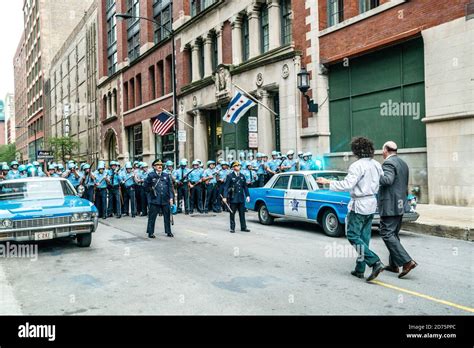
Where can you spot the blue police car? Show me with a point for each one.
(42, 208)
(297, 196)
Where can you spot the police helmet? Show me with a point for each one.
(306, 154)
(36, 163)
(128, 165)
(300, 153)
(259, 155)
(210, 162)
(195, 163)
(60, 166)
(224, 163)
(242, 155)
(71, 165)
(51, 167)
(22, 168)
(183, 162)
(13, 163)
(100, 166)
(5, 167)
(250, 155)
(86, 166)
(274, 153)
(290, 153)
(143, 165)
(169, 163)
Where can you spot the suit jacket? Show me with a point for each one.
(393, 187)
(235, 188)
(160, 189)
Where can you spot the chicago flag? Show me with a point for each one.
(237, 108)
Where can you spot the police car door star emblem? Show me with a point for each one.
(294, 204)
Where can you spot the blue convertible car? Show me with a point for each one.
(44, 208)
(296, 195)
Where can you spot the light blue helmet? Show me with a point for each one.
(259, 155)
(274, 153)
(101, 165)
(128, 165)
(51, 167)
(183, 162)
(195, 163)
(210, 162)
(71, 165)
(86, 166)
(113, 163)
(224, 163)
(32, 171)
(60, 166)
(143, 165)
(22, 168)
(306, 154)
(242, 155)
(250, 155)
(169, 163)
(13, 163)
(36, 163)
(5, 167)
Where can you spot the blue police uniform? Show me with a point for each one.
(236, 192)
(210, 187)
(195, 193)
(75, 181)
(181, 177)
(160, 189)
(114, 193)
(129, 200)
(289, 163)
(101, 196)
(89, 187)
(141, 195)
(261, 172)
(13, 174)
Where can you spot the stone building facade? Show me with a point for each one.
(256, 46)
(71, 103)
(20, 95)
(398, 70)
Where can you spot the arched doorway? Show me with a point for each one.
(111, 147)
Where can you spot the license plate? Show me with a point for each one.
(44, 235)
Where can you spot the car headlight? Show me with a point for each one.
(6, 223)
(80, 217)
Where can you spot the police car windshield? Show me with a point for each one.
(330, 176)
(34, 190)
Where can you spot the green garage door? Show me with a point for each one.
(364, 96)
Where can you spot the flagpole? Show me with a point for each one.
(170, 114)
(255, 100)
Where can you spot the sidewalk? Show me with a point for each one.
(443, 221)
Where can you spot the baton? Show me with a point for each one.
(227, 205)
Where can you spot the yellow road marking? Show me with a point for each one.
(414, 293)
(202, 234)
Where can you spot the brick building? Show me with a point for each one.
(135, 69)
(399, 70)
(21, 109)
(71, 100)
(256, 45)
(41, 40)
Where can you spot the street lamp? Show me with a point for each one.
(173, 72)
(303, 86)
(34, 130)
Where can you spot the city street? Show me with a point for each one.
(287, 268)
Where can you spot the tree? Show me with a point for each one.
(7, 153)
(63, 148)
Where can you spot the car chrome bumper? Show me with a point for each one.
(59, 231)
(407, 217)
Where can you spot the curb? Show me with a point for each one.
(444, 231)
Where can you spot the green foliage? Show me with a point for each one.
(7, 153)
(64, 148)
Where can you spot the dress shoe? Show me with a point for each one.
(393, 269)
(377, 268)
(245, 230)
(151, 236)
(170, 234)
(407, 267)
(357, 274)
(133, 216)
(232, 231)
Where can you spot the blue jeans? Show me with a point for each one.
(358, 232)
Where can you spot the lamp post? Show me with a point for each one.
(173, 73)
(34, 130)
(304, 86)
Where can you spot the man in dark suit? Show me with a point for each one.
(391, 203)
(159, 187)
(237, 192)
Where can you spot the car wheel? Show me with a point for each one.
(264, 216)
(84, 240)
(331, 225)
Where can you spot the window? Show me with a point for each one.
(104, 107)
(125, 94)
(161, 79)
(169, 74)
(298, 182)
(335, 12)
(133, 29)
(139, 89)
(282, 182)
(201, 58)
(197, 6)
(264, 29)
(132, 94)
(111, 37)
(214, 50)
(151, 78)
(135, 142)
(164, 146)
(366, 5)
(286, 22)
(245, 38)
(162, 15)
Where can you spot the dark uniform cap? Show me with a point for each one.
(157, 162)
(235, 163)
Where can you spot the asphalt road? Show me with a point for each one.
(287, 268)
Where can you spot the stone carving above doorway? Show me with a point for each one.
(223, 82)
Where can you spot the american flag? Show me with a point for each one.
(162, 123)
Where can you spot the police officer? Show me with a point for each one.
(181, 177)
(141, 176)
(273, 164)
(4, 172)
(128, 180)
(113, 179)
(210, 185)
(100, 183)
(262, 168)
(250, 175)
(72, 175)
(195, 188)
(289, 165)
(159, 186)
(88, 181)
(305, 164)
(39, 169)
(14, 172)
(236, 193)
(221, 178)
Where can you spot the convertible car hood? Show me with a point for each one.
(22, 208)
